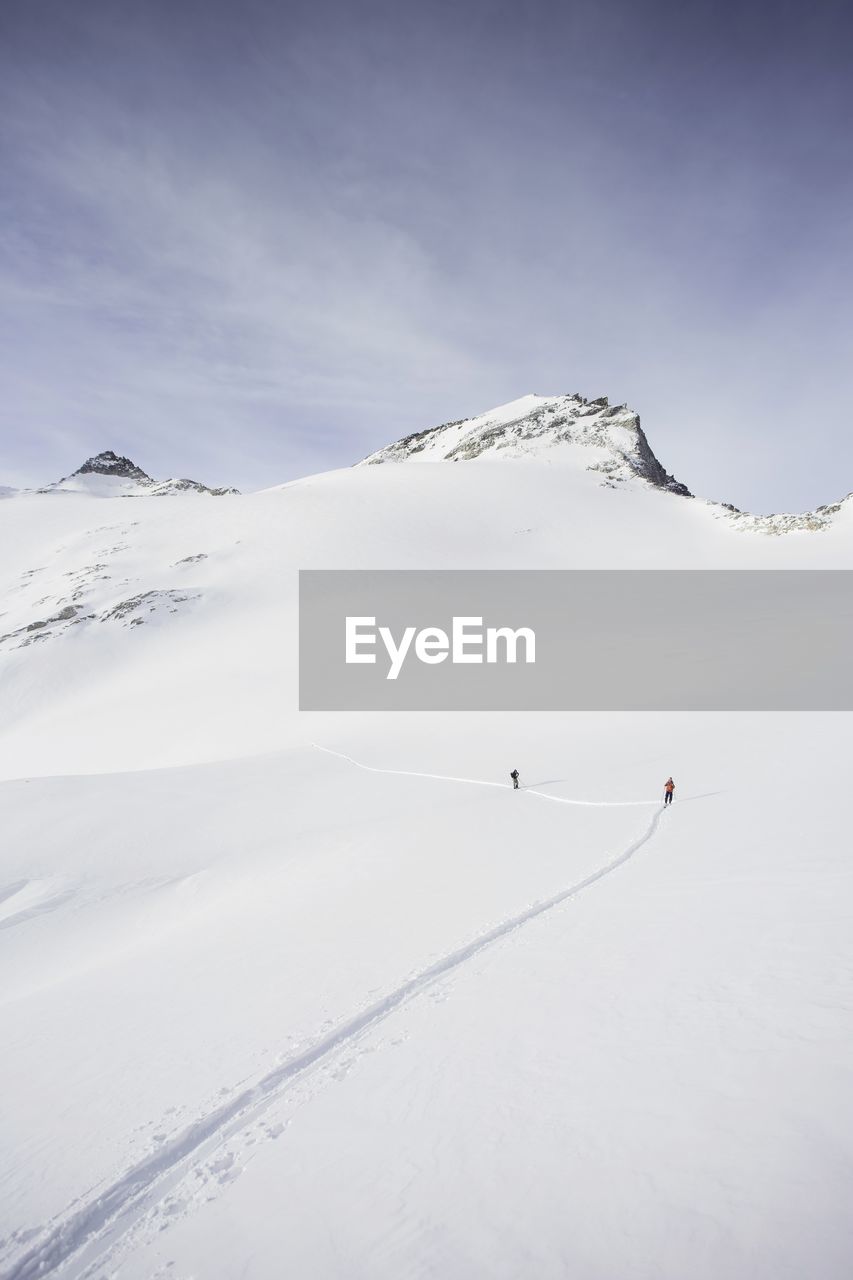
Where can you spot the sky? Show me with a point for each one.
(250, 241)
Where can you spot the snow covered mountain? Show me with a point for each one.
(605, 439)
(578, 435)
(319, 994)
(107, 475)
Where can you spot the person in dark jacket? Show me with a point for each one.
(514, 776)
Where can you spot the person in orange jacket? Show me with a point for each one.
(668, 788)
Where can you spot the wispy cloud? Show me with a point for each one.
(251, 244)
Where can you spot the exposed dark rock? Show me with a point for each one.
(146, 602)
(652, 470)
(40, 628)
(110, 464)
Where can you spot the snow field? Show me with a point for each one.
(273, 1009)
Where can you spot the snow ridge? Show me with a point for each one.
(777, 524)
(99, 1225)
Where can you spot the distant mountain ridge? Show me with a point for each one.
(583, 435)
(109, 474)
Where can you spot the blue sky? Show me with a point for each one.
(248, 241)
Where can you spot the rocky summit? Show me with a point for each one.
(110, 464)
(606, 439)
(109, 474)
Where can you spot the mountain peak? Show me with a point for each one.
(110, 475)
(607, 439)
(108, 463)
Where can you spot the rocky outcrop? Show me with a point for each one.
(111, 464)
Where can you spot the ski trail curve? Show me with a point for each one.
(479, 782)
(99, 1224)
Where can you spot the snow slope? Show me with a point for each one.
(320, 995)
(151, 668)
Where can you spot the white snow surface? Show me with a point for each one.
(95, 485)
(320, 995)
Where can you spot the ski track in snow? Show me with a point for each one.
(479, 782)
(90, 1234)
